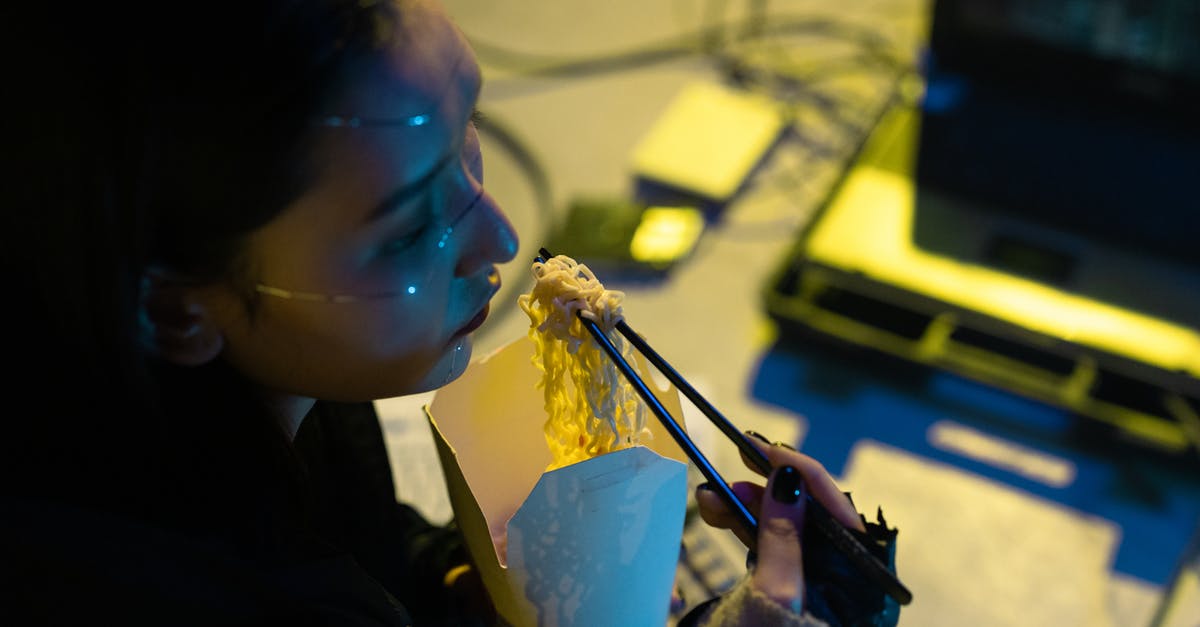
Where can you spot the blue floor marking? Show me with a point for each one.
(850, 397)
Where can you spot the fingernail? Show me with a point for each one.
(787, 485)
(759, 436)
(704, 487)
(785, 445)
(677, 601)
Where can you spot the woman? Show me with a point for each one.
(234, 225)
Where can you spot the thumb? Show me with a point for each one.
(778, 572)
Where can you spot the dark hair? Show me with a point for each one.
(145, 135)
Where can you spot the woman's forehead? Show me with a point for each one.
(428, 74)
(419, 72)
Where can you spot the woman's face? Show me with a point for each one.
(371, 282)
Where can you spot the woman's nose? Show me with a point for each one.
(490, 238)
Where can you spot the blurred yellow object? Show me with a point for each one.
(666, 234)
(857, 275)
(856, 235)
(708, 140)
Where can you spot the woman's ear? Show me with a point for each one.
(174, 321)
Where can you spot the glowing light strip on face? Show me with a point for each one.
(411, 290)
(337, 121)
(354, 122)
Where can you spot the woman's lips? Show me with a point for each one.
(493, 280)
(475, 322)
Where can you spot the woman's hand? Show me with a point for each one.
(780, 508)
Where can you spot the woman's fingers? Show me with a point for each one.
(778, 572)
(714, 512)
(817, 479)
(763, 444)
(780, 509)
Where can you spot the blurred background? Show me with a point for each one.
(946, 248)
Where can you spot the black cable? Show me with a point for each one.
(756, 19)
(710, 41)
(699, 42)
(712, 23)
(535, 65)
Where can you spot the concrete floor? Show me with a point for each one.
(996, 528)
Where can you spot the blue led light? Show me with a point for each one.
(357, 122)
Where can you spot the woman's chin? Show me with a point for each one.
(452, 364)
(448, 366)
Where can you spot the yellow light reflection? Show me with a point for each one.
(666, 234)
(867, 231)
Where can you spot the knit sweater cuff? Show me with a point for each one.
(747, 605)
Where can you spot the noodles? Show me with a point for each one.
(591, 409)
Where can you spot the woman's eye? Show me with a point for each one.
(399, 244)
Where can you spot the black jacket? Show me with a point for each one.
(368, 560)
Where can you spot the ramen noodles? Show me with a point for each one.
(591, 409)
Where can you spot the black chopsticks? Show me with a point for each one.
(839, 536)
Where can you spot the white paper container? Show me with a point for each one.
(593, 543)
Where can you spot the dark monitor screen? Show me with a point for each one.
(1082, 115)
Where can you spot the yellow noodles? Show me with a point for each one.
(591, 409)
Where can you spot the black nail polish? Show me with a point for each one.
(704, 487)
(759, 436)
(787, 486)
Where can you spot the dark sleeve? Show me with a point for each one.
(355, 508)
(836, 592)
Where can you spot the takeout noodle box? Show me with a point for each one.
(592, 543)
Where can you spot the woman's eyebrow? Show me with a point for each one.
(407, 192)
(403, 194)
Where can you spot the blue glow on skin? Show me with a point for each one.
(453, 362)
(356, 122)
